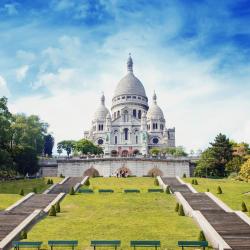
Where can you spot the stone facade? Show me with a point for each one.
(132, 127)
(111, 166)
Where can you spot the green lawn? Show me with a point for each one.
(234, 192)
(14, 187)
(8, 199)
(120, 216)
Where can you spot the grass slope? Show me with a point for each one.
(14, 187)
(8, 199)
(234, 192)
(121, 216)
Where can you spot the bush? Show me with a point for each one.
(58, 208)
(72, 191)
(202, 236)
(51, 181)
(48, 182)
(243, 207)
(181, 211)
(52, 211)
(208, 190)
(219, 190)
(184, 175)
(34, 190)
(23, 235)
(87, 182)
(168, 190)
(193, 181)
(21, 192)
(177, 207)
(61, 175)
(156, 182)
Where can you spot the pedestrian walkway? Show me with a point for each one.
(234, 231)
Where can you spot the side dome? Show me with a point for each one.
(130, 84)
(154, 111)
(102, 111)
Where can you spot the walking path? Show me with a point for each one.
(11, 218)
(233, 230)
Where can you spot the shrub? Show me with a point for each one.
(177, 207)
(208, 190)
(48, 182)
(202, 236)
(156, 182)
(243, 207)
(34, 190)
(72, 191)
(168, 190)
(181, 211)
(58, 208)
(184, 175)
(21, 192)
(193, 181)
(61, 175)
(87, 182)
(23, 235)
(219, 190)
(52, 211)
(51, 181)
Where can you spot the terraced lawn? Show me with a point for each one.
(143, 216)
(14, 187)
(234, 192)
(8, 199)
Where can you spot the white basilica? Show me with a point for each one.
(132, 127)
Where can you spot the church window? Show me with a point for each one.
(155, 140)
(139, 114)
(156, 126)
(128, 96)
(139, 97)
(118, 113)
(116, 139)
(125, 116)
(126, 134)
(161, 126)
(115, 115)
(134, 112)
(100, 141)
(100, 127)
(134, 97)
(118, 98)
(136, 139)
(123, 97)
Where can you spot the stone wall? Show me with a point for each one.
(109, 167)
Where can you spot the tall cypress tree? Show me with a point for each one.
(222, 153)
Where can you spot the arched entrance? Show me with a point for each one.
(155, 171)
(114, 153)
(91, 172)
(136, 152)
(123, 172)
(124, 153)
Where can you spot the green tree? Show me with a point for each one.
(155, 151)
(245, 170)
(233, 166)
(26, 160)
(67, 145)
(85, 146)
(48, 144)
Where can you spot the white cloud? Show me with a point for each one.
(11, 9)
(22, 72)
(4, 91)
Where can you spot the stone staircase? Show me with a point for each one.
(9, 220)
(234, 231)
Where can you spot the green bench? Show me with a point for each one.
(145, 243)
(26, 244)
(106, 191)
(131, 191)
(62, 243)
(86, 191)
(105, 243)
(155, 190)
(202, 244)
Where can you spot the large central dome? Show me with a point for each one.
(130, 84)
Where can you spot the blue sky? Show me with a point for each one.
(57, 56)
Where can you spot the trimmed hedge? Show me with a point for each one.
(52, 211)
